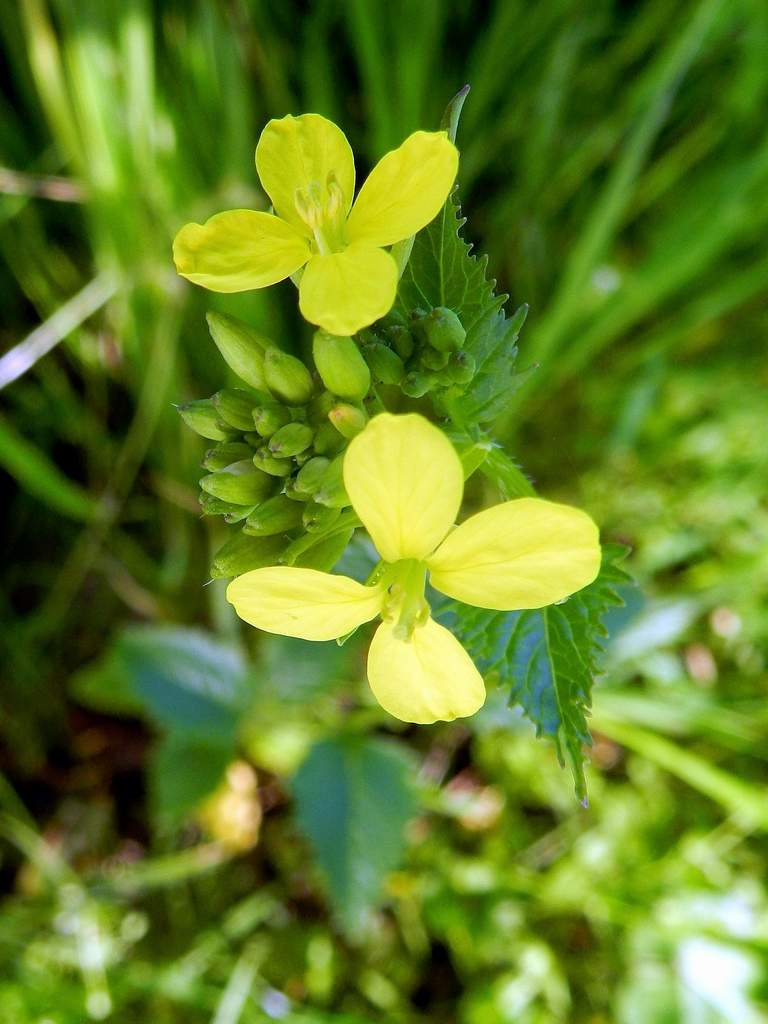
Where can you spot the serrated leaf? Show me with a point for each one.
(548, 657)
(443, 272)
(354, 798)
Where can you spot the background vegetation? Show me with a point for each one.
(615, 167)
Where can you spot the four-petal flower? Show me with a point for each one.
(405, 482)
(307, 169)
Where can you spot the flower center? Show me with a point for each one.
(405, 604)
(322, 210)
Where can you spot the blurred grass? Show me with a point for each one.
(614, 166)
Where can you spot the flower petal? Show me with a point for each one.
(428, 678)
(297, 152)
(239, 250)
(525, 553)
(405, 190)
(304, 603)
(348, 290)
(404, 480)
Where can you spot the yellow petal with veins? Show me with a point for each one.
(525, 553)
(346, 291)
(299, 152)
(426, 679)
(303, 603)
(405, 190)
(405, 481)
(238, 250)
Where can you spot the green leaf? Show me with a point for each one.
(188, 681)
(548, 657)
(354, 797)
(183, 771)
(443, 272)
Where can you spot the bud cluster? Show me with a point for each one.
(276, 468)
(420, 354)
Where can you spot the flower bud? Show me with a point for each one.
(234, 407)
(242, 553)
(269, 416)
(292, 490)
(349, 420)
(287, 377)
(264, 460)
(225, 454)
(443, 329)
(253, 440)
(432, 359)
(326, 553)
(203, 418)
(276, 515)
(310, 476)
(331, 491)
(241, 484)
(417, 383)
(291, 439)
(317, 518)
(461, 367)
(320, 406)
(241, 346)
(328, 441)
(386, 365)
(402, 341)
(214, 506)
(341, 366)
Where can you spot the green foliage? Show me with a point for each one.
(354, 797)
(442, 271)
(614, 165)
(548, 657)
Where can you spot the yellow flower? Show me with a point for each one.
(306, 168)
(405, 482)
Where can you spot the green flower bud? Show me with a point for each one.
(242, 553)
(276, 515)
(310, 476)
(402, 341)
(291, 439)
(225, 454)
(386, 365)
(417, 383)
(320, 406)
(349, 420)
(326, 553)
(317, 518)
(331, 491)
(431, 359)
(214, 506)
(293, 491)
(268, 417)
(237, 513)
(443, 330)
(341, 366)
(241, 484)
(234, 407)
(253, 440)
(264, 460)
(328, 441)
(203, 418)
(287, 377)
(241, 346)
(461, 367)
(301, 457)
